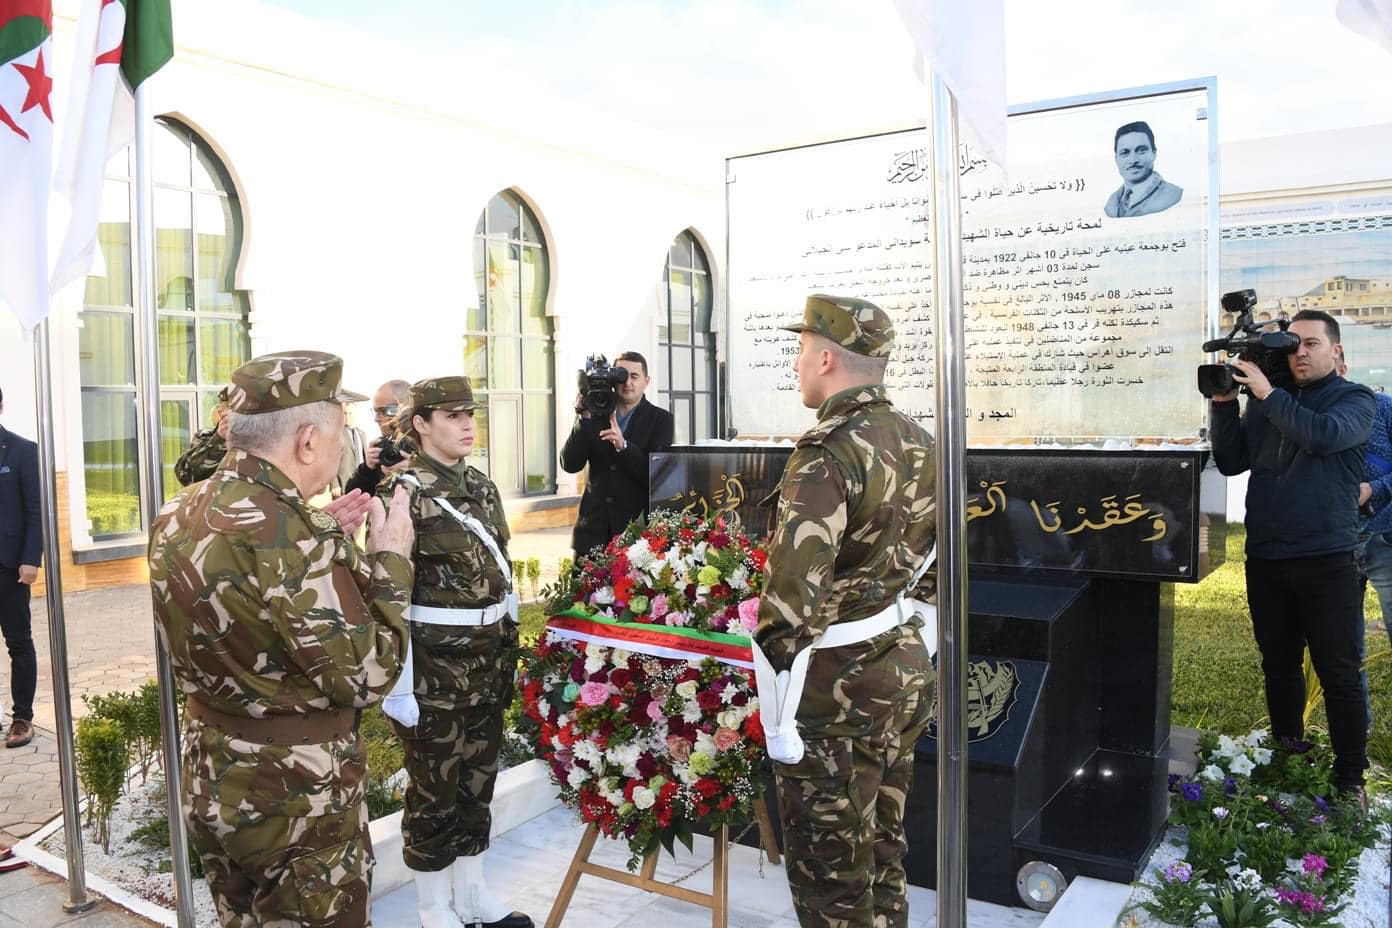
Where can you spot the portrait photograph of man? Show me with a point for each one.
(1143, 191)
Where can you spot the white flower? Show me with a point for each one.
(730, 718)
(587, 751)
(643, 797)
(1263, 826)
(1248, 879)
(729, 693)
(577, 776)
(691, 712)
(1241, 765)
(1228, 747)
(602, 596)
(596, 659)
(1220, 813)
(683, 773)
(1261, 756)
(1212, 773)
(620, 658)
(1256, 738)
(687, 689)
(625, 756)
(640, 554)
(705, 744)
(739, 577)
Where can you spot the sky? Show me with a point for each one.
(734, 76)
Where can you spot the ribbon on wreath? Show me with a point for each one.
(654, 640)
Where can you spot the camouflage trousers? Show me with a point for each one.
(270, 871)
(842, 808)
(452, 762)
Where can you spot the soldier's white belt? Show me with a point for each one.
(488, 615)
(780, 693)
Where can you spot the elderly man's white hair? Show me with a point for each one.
(263, 432)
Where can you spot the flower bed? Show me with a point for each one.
(639, 695)
(1261, 839)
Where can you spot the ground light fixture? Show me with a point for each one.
(1040, 885)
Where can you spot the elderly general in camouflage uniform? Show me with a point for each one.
(855, 525)
(449, 711)
(206, 451)
(280, 631)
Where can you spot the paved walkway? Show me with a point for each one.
(111, 648)
(34, 899)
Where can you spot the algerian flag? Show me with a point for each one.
(26, 155)
(119, 44)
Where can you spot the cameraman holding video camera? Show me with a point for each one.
(1303, 442)
(390, 398)
(615, 431)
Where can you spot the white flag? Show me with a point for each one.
(26, 156)
(100, 122)
(1371, 19)
(964, 44)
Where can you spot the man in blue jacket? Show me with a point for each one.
(21, 549)
(1303, 443)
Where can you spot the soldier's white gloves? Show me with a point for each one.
(400, 704)
(784, 746)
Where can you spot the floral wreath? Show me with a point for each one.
(640, 693)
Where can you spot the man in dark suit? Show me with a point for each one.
(616, 491)
(21, 550)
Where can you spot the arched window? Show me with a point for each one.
(509, 350)
(686, 342)
(203, 329)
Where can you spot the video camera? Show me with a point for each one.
(1250, 341)
(597, 382)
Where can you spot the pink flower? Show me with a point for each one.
(749, 613)
(594, 694)
(676, 618)
(659, 606)
(726, 738)
(655, 711)
(679, 748)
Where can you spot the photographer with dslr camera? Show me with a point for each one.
(1302, 439)
(615, 430)
(382, 455)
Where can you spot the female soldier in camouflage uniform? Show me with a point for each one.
(448, 706)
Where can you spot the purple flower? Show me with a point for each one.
(1296, 746)
(1229, 786)
(1193, 792)
(1321, 804)
(1318, 819)
(1174, 781)
(1178, 872)
(1314, 864)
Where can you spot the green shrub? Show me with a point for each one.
(102, 757)
(534, 573)
(384, 758)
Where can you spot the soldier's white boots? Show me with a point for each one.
(433, 899)
(473, 901)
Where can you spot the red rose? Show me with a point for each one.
(702, 810)
(623, 590)
(706, 787)
(708, 700)
(760, 558)
(754, 729)
(718, 540)
(726, 803)
(620, 677)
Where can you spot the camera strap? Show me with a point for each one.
(473, 525)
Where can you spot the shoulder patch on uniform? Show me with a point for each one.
(321, 520)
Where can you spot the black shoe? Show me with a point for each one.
(1355, 794)
(514, 920)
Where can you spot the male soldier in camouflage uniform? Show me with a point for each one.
(855, 525)
(279, 632)
(449, 711)
(205, 453)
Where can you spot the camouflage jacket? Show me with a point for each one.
(202, 457)
(268, 610)
(855, 520)
(456, 666)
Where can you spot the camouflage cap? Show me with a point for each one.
(447, 393)
(856, 325)
(287, 379)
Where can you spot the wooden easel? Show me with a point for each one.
(717, 900)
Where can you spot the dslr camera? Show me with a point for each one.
(597, 383)
(395, 449)
(1257, 342)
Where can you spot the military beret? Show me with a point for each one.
(287, 379)
(447, 393)
(856, 325)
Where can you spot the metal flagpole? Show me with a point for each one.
(950, 418)
(154, 492)
(57, 632)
